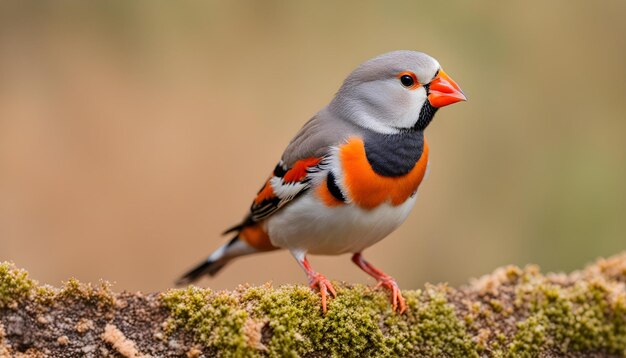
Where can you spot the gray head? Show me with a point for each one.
(395, 91)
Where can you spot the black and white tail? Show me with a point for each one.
(217, 260)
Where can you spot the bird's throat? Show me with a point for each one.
(427, 113)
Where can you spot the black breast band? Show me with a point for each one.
(394, 155)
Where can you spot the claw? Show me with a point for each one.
(320, 282)
(390, 283)
(384, 280)
(317, 281)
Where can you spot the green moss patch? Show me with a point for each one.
(586, 316)
(14, 284)
(16, 287)
(99, 295)
(358, 322)
(511, 313)
(214, 318)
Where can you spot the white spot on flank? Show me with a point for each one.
(286, 190)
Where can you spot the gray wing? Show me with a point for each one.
(316, 137)
(311, 143)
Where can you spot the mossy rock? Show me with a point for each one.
(512, 312)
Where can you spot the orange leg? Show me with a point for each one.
(316, 279)
(383, 280)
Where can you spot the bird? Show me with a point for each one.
(350, 175)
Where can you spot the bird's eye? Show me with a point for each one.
(407, 80)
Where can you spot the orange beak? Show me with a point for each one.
(444, 91)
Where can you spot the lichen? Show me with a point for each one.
(14, 284)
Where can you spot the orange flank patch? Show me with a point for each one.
(298, 171)
(327, 198)
(368, 189)
(266, 193)
(256, 237)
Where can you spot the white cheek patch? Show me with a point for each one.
(374, 124)
(407, 112)
(387, 107)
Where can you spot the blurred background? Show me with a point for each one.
(133, 133)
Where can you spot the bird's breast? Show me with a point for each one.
(384, 170)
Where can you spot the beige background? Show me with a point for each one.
(132, 133)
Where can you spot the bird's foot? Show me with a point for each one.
(397, 301)
(321, 283)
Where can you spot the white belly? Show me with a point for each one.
(309, 225)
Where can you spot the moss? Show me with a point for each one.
(586, 316)
(45, 295)
(496, 305)
(15, 287)
(100, 295)
(354, 319)
(439, 331)
(14, 284)
(510, 313)
(214, 318)
(295, 321)
(529, 338)
(359, 322)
